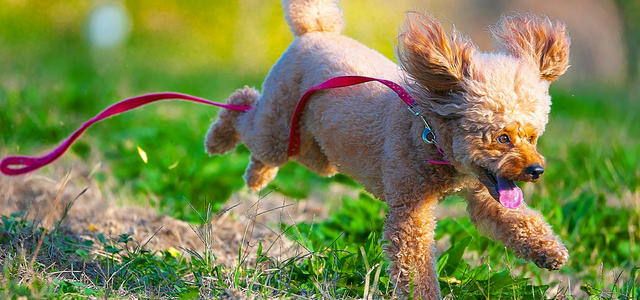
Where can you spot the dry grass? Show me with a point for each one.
(98, 210)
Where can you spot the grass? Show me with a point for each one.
(51, 82)
(69, 267)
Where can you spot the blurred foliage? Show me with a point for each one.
(182, 38)
(629, 11)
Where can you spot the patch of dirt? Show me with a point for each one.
(247, 219)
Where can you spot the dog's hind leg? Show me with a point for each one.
(223, 135)
(258, 175)
(315, 160)
(226, 133)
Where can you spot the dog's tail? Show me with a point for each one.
(223, 135)
(304, 16)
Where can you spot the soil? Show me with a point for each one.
(97, 209)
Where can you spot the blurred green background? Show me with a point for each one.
(57, 70)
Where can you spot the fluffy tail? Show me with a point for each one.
(304, 16)
(222, 135)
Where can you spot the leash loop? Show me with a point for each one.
(428, 136)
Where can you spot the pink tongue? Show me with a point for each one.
(510, 193)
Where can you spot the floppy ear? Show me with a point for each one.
(431, 58)
(536, 38)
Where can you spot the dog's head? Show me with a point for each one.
(495, 105)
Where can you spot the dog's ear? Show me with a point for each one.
(432, 59)
(536, 38)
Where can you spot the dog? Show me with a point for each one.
(485, 110)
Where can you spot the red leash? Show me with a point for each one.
(26, 164)
(344, 81)
(33, 163)
(336, 82)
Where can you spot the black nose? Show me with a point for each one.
(534, 171)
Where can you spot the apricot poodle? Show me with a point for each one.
(486, 109)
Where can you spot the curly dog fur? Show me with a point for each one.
(488, 110)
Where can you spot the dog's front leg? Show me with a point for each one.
(409, 228)
(521, 229)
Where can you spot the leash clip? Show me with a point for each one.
(428, 136)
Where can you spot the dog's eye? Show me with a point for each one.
(531, 139)
(503, 139)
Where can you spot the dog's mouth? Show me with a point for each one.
(502, 189)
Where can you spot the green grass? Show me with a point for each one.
(51, 82)
(331, 269)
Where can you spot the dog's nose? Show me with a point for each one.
(534, 171)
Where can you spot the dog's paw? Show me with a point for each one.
(553, 258)
(258, 175)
